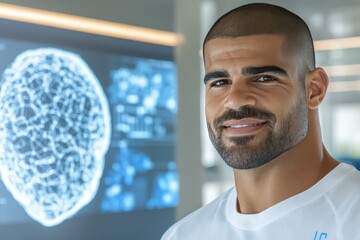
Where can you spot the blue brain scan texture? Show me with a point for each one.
(143, 100)
(54, 133)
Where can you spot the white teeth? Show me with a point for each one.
(245, 125)
(239, 126)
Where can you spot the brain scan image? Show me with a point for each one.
(54, 133)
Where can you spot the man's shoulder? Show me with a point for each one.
(344, 199)
(346, 193)
(207, 210)
(204, 215)
(349, 180)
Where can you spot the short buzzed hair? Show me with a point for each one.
(262, 18)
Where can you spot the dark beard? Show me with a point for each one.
(243, 156)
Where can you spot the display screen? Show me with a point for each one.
(84, 132)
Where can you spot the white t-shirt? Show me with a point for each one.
(329, 210)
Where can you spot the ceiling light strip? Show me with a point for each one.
(343, 70)
(339, 43)
(88, 25)
(344, 86)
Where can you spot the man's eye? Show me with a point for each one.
(219, 83)
(265, 79)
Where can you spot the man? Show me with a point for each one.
(262, 97)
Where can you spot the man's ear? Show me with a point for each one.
(317, 84)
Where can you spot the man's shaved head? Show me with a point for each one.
(262, 18)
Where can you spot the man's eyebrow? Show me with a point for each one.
(263, 69)
(214, 75)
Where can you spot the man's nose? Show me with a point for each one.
(239, 95)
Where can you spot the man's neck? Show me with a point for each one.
(291, 173)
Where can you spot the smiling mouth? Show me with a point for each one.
(246, 125)
(242, 127)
